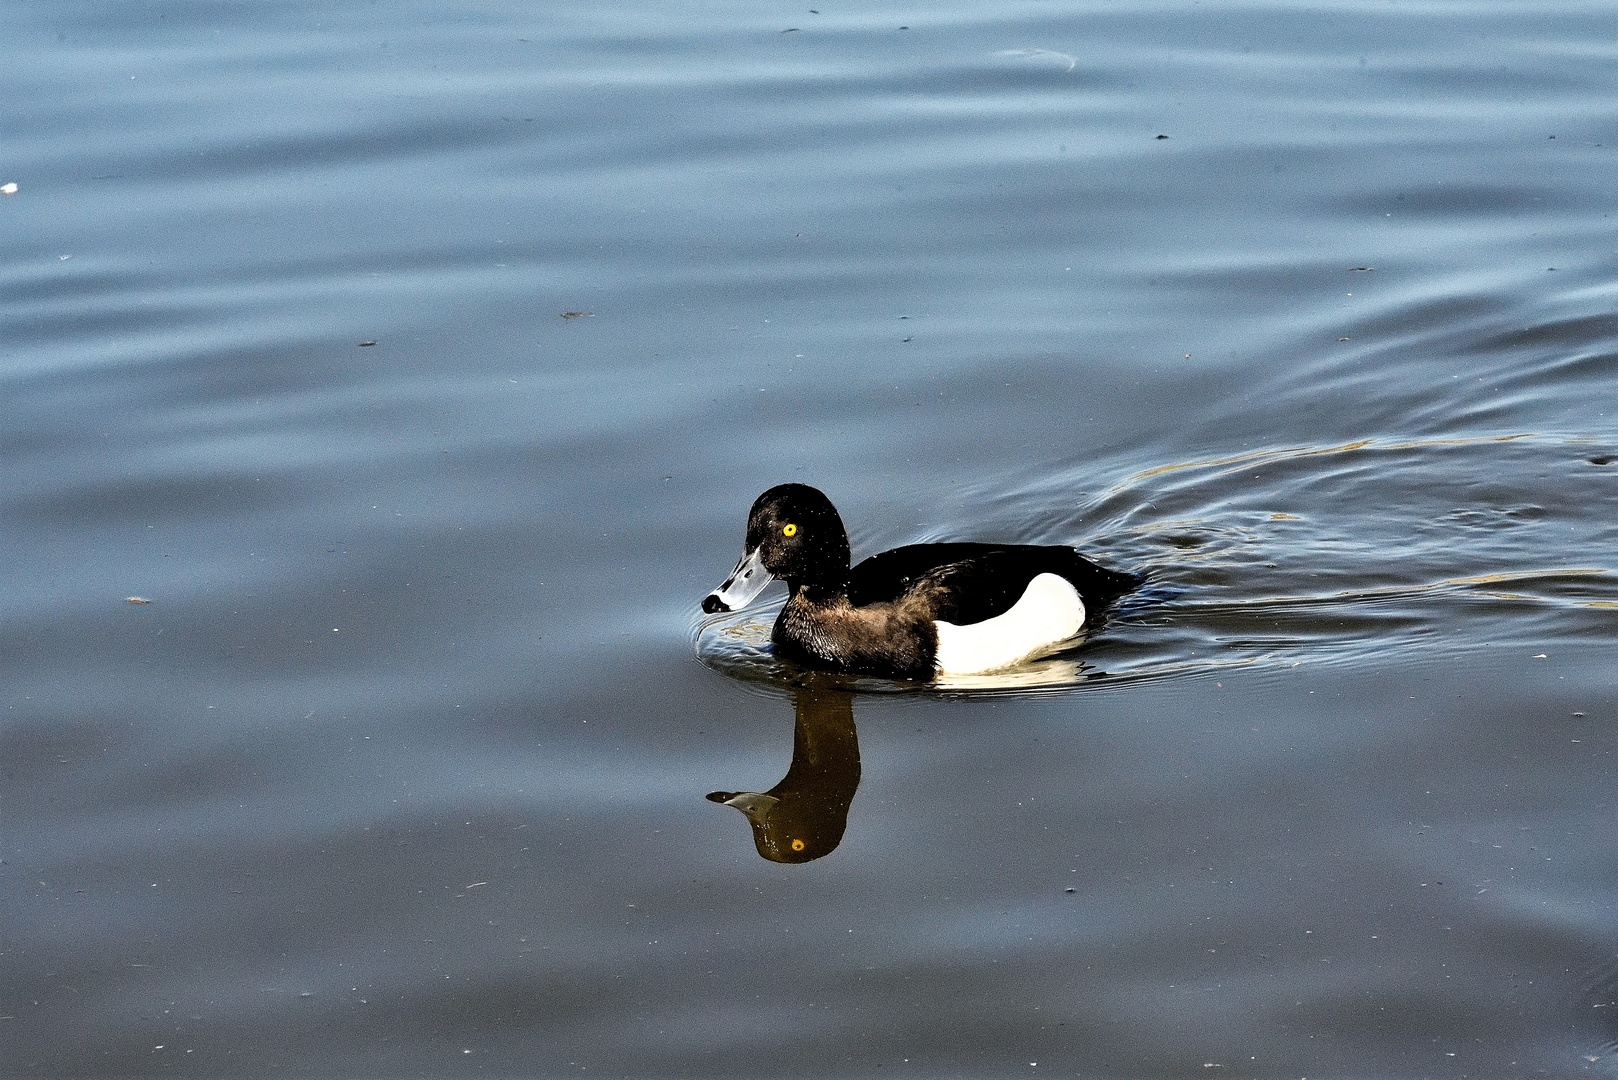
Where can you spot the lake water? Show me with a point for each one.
(1307, 313)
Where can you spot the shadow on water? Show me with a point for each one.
(803, 817)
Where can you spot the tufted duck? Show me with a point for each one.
(914, 612)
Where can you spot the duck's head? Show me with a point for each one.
(793, 533)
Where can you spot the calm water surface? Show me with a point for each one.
(1310, 314)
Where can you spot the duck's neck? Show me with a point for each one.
(819, 593)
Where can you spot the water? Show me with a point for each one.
(402, 769)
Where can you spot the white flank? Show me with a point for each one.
(1049, 612)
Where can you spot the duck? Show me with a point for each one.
(917, 612)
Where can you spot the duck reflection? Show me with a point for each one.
(803, 817)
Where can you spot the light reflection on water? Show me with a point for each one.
(403, 767)
(803, 817)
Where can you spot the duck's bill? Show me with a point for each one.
(755, 805)
(739, 589)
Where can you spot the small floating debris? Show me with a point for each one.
(578, 314)
(1361, 269)
(1162, 136)
(137, 600)
(791, 30)
(8, 189)
(1071, 62)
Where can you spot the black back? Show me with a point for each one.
(969, 583)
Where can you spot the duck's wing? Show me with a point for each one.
(888, 576)
(968, 583)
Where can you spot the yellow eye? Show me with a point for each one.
(790, 530)
(797, 845)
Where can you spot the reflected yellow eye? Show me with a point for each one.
(790, 530)
(797, 845)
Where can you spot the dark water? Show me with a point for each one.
(402, 769)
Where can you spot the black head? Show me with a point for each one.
(800, 537)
